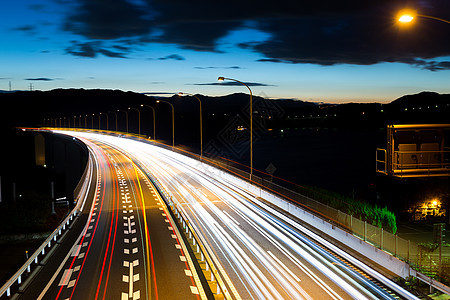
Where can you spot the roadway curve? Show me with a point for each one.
(259, 252)
(128, 247)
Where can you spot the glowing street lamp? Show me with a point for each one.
(173, 121)
(407, 16)
(251, 121)
(201, 121)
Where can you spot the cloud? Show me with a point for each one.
(211, 67)
(40, 79)
(91, 49)
(233, 83)
(433, 65)
(26, 28)
(106, 20)
(325, 32)
(172, 57)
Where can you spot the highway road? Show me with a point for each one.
(127, 246)
(259, 251)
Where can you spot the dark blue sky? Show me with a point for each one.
(311, 50)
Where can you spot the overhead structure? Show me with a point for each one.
(415, 150)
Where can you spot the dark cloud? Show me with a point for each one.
(172, 57)
(91, 49)
(233, 83)
(104, 19)
(26, 28)
(325, 32)
(40, 79)
(211, 67)
(432, 65)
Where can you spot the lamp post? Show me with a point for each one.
(139, 118)
(126, 113)
(407, 16)
(107, 120)
(251, 121)
(201, 120)
(115, 115)
(154, 119)
(173, 121)
(98, 120)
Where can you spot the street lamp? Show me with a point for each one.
(92, 121)
(201, 121)
(251, 121)
(126, 113)
(115, 115)
(173, 121)
(407, 16)
(154, 119)
(107, 120)
(139, 117)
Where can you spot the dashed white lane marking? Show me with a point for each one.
(174, 236)
(182, 258)
(66, 276)
(71, 283)
(76, 269)
(177, 246)
(194, 290)
(81, 255)
(188, 272)
(170, 228)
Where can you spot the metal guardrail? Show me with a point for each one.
(34, 259)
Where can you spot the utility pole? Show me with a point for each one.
(10, 85)
(31, 87)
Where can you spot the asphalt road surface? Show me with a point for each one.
(124, 245)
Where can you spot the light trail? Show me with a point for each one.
(262, 253)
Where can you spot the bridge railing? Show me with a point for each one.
(39, 256)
